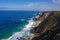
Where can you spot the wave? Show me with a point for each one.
(24, 31)
(4, 39)
(22, 19)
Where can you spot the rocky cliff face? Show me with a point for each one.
(49, 29)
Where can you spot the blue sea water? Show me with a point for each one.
(13, 21)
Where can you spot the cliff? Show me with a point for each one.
(48, 26)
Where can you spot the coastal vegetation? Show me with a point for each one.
(49, 29)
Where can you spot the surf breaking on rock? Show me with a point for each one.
(26, 31)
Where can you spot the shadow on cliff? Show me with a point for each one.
(49, 29)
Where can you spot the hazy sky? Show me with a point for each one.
(29, 4)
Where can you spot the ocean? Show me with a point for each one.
(13, 21)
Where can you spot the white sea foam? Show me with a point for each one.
(24, 31)
(22, 19)
(3, 39)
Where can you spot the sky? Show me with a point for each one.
(30, 5)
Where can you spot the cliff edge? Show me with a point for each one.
(49, 28)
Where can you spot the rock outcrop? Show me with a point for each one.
(49, 28)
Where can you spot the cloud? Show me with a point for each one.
(28, 5)
(56, 1)
(34, 6)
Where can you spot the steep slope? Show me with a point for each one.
(49, 29)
